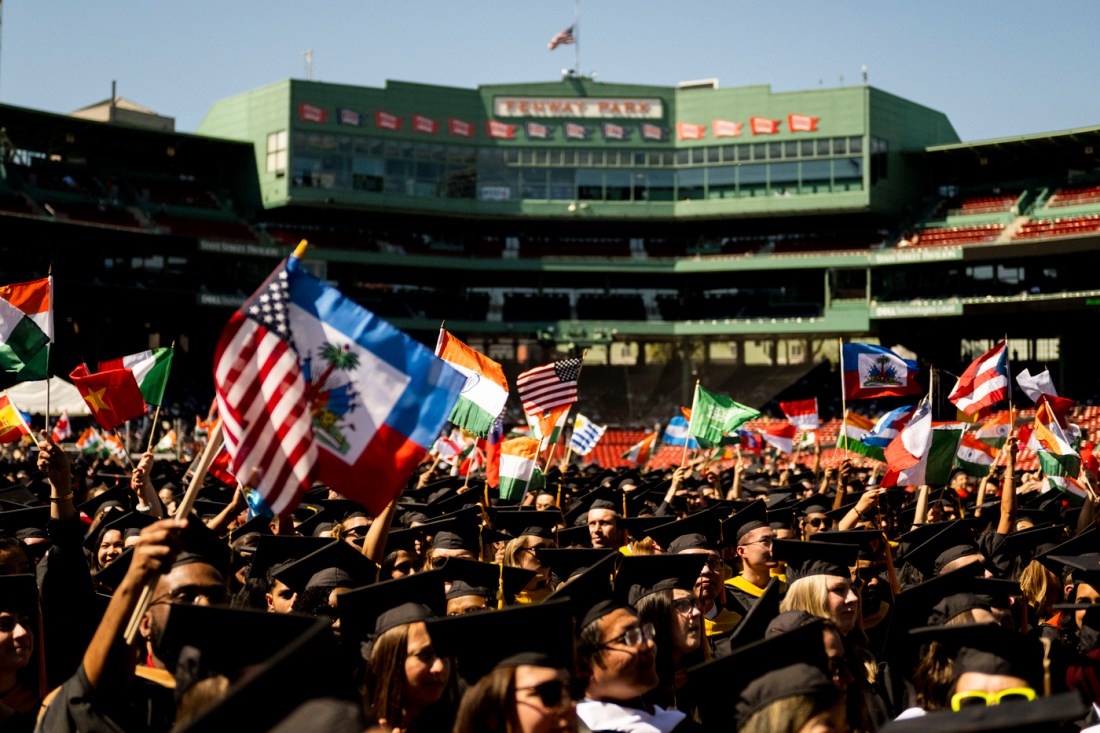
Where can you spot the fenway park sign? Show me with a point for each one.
(609, 108)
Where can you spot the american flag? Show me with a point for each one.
(563, 38)
(549, 386)
(262, 398)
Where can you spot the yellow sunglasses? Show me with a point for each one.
(962, 700)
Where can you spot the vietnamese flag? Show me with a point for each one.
(121, 388)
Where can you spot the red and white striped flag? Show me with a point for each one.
(386, 121)
(549, 386)
(801, 413)
(458, 127)
(562, 38)
(984, 383)
(500, 130)
(688, 131)
(425, 124)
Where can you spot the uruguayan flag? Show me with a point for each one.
(585, 435)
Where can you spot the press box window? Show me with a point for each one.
(276, 153)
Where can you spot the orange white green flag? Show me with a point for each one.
(12, 425)
(486, 390)
(26, 330)
(639, 453)
(518, 457)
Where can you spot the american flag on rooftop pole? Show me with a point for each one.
(562, 38)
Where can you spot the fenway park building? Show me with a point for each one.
(697, 232)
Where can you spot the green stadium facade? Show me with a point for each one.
(729, 235)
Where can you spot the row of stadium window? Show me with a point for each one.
(324, 145)
(497, 183)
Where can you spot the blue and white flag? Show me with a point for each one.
(585, 435)
(677, 433)
(888, 427)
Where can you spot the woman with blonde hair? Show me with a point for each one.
(532, 531)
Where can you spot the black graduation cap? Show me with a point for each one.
(816, 504)
(227, 639)
(574, 537)
(117, 496)
(19, 593)
(474, 578)
(753, 626)
(17, 519)
(804, 559)
(566, 562)
(954, 541)
(20, 495)
(987, 648)
(402, 539)
(1083, 543)
(456, 501)
(271, 691)
(603, 497)
(639, 526)
(310, 516)
(539, 635)
(202, 544)
(367, 612)
(111, 575)
(1085, 568)
(1053, 714)
(272, 550)
(259, 524)
(781, 518)
(336, 564)
(589, 593)
(686, 533)
(751, 517)
(534, 523)
(130, 522)
(760, 673)
(1026, 543)
(869, 540)
(641, 575)
(458, 531)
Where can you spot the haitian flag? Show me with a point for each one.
(313, 387)
(875, 371)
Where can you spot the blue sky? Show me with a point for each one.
(995, 68)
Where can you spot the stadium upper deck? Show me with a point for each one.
(739, 262)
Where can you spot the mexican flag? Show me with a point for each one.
(486, 389)
(12, 425)
(856, 428)
(518, 457)
(713, 415)
(26, 330)
(122, 387)
(975, 456)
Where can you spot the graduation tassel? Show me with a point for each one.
(500, 588)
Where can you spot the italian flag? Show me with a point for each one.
(638, 453)
(856, 428)
(26, 329)
(122, 387)
(12, 425)
(486, 389)
(975, 456)
(1073, 489)
(518, 457)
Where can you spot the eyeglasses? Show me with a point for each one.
(970, 698)
(633, 637)
(552, 693)
(715, 563)
(766, 542)
(684, 606)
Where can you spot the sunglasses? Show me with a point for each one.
(820, 522)
(551, 693)
(974, 698)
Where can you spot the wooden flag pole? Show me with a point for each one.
(125, 448)
(687, 438)
(568, 454)
(213, 444)
(49, 276)
(843, 401)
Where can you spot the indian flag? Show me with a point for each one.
(996, 431)
(856, 428)
(1056, 454)
(638, 453)
(167, 443)
(486, 389)
(1073, 489)
(547, 427)
(113, 445)
(12, 425)
(518, 457)
(975, 456)
(89, 441)
(26, 329)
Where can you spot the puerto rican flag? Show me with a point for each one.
(312, 113)
(458, 127)
(763, 126)
(653, 132)
(346, 116)
(801, 413)
(984, 383)
(537, 131)
(726, 128)
(500, 130)
(688, 131)
(573, 131)
(425, 124)
(611, 131)
(802, 123)
(386, 121)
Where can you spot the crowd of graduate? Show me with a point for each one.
(759, 598)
